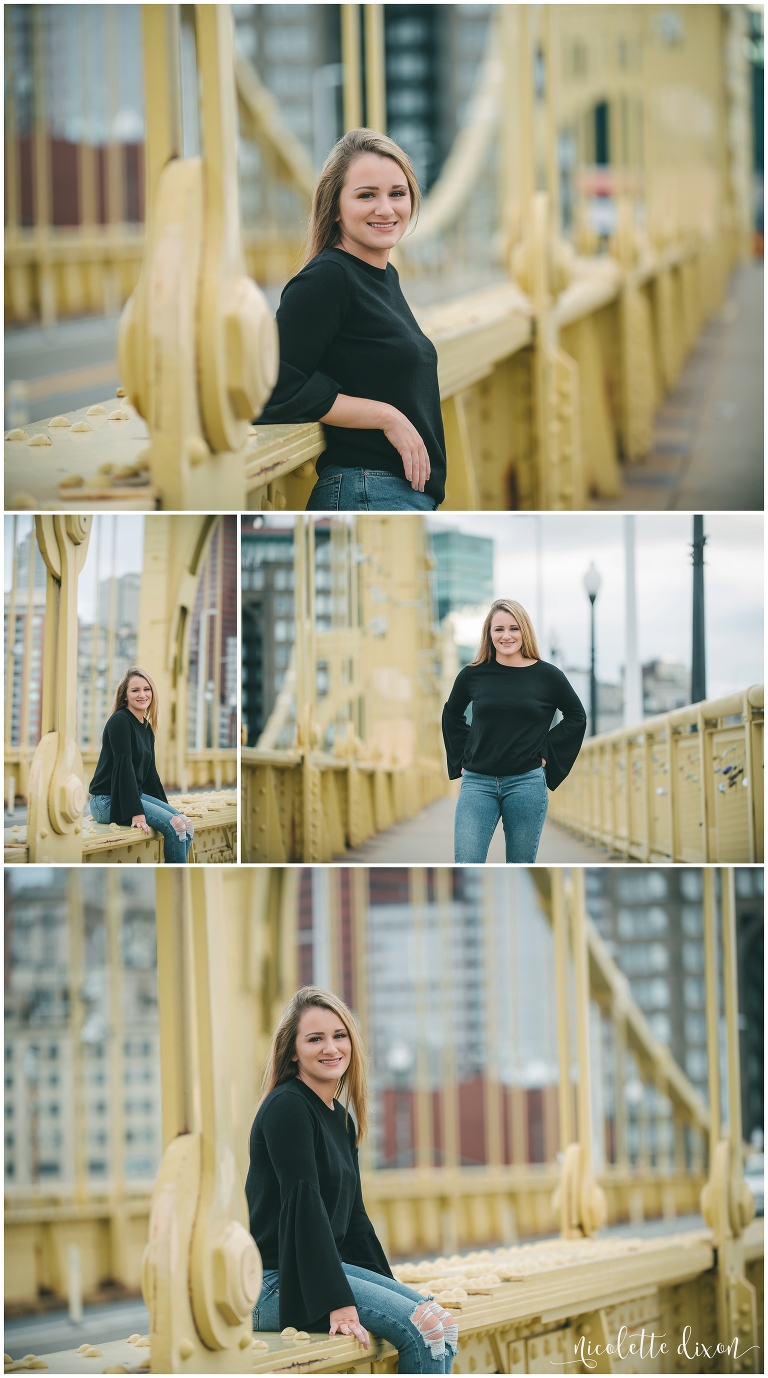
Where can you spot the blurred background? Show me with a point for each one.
(157, 591)
(659, 105)
(464, 1067)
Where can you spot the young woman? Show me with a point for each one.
(324, 1268)
(511, 753)
(126, 788)
(351, 353)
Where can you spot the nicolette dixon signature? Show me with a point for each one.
(642, 1345)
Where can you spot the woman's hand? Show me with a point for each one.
(409, 446)
(543, 762)
(140, 822)
(345, 1321)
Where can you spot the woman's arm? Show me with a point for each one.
(362, 414)
(455, 725)
(310, 315)
(563, 742)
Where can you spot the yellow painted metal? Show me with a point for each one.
(375, 75)
(685, 786)
(350, 57)
(383, 704)
(226, 963)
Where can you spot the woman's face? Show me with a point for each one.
(323, 1046)
(138, 694)
(375, 203)
(506, 634)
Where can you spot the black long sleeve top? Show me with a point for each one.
(345, 326)
(126, 766)
(306, 1204)
(512, 712)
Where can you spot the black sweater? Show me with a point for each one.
(512, 712)
(345, 326)
(306, 1204)
(126, 767)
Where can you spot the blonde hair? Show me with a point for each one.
(281, 1067)
(529, 648)
(324, 228)
(121, 694)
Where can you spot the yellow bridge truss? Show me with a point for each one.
(548, 378)
(226, 963)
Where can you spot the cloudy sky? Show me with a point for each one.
(733, 586)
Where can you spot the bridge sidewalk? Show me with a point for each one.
(427, 839)
(707, 452)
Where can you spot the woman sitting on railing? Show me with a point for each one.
(351, 352)
(126, 788)
(511, 754)
(324, 1268)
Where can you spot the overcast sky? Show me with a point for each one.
(733, 586)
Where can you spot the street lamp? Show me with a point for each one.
(592, 582)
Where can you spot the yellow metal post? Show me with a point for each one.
(76, 973)
(56, 794)
(202, 1271)
(560, 931)
(113, 918)
(350, 57)
(375, 69)
(422, 1090)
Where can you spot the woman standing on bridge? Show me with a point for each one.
(126, 788)
(324, 1268)
(351, 353)
(511, 753)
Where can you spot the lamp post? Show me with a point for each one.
(592, 582)
(698, 651)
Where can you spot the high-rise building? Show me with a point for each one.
(106, 648)
(24, 637)
(47, 1008)
(652, 921)
(463, 570)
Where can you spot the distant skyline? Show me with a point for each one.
(121, 531)
(733, 583)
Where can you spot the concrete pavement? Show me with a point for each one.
(427, 839)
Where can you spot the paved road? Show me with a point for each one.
(708, 440)
(427, 839)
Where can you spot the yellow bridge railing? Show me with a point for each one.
(299, 806)
(685, 786)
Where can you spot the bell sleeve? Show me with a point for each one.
(563, 742)
(152, 783)
(361, 1247)
(312, 1281)
(124, 799)
(311, 311)
(455, 725)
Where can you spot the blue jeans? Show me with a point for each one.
(385, 1308)
(366, 490)
(158, 816)
(520, 801)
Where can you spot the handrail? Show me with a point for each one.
(652, 791)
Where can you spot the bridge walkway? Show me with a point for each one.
(707, 451)
(427, 839)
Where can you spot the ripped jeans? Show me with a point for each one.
(385, 1308)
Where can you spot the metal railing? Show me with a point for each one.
(685, 786)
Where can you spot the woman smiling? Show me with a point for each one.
(511, 753)
(351, 353)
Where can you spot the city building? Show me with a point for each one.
(666, 686)
(266, 557)
(212, 677)
(652, 922)
(463, 576)
(106, 648)
(68, 1040)
(24, 638)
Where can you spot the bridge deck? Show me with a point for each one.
(428, 839)
(708, 442)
